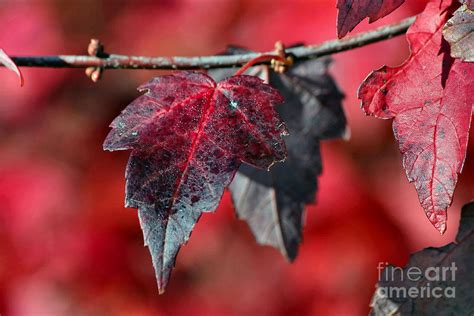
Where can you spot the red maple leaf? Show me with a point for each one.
(430, 97)
(352, 12)
(188, 137)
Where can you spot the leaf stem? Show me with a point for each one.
(257, 60)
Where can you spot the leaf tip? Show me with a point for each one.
(291, 257)
(161, 289)
(438, 219)
(161, 281)
(346, 134)
(441, 228)
(10, 64)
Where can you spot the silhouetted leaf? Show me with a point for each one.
(444, 272)
(272, 202)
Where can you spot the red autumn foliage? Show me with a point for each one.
(352, 12)
(69, 246)
(188, 136)
(430, 99)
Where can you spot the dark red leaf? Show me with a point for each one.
(430, 97)
(188, 137)
(10, 64)
(273, 202)
(444, 271)
(352, 12)
(459, 32)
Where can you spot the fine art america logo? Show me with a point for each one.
(415, 282)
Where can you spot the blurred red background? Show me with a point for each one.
(67, 244)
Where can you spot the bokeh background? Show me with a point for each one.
(69, 247)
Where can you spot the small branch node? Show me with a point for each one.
(94, 73)
(282, 64)
(95, 49)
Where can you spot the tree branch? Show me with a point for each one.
(113, 61)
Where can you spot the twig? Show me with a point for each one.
(113, 61)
